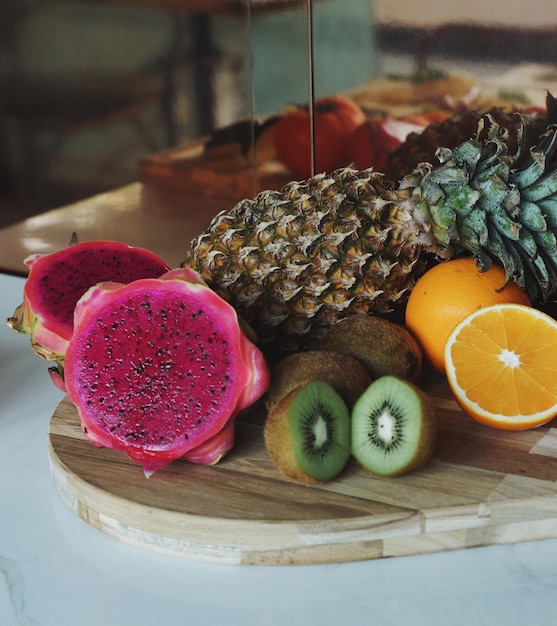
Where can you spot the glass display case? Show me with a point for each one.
(262, 58)
(190, 89)
(394, 59)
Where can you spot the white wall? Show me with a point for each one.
(504, 13)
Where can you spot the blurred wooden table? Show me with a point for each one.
(162, 220)
(178, 193)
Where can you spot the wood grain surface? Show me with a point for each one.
(482, 487)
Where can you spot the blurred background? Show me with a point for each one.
(89, 88)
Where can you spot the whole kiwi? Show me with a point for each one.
(384, 347)
(348, 377)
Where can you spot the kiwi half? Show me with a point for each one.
(393, 427)
(307, 434)
(345, 374)
(383, 346)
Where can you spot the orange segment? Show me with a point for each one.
(502, 368)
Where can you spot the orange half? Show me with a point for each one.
(501, 364)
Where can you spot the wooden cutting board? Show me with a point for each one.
(483, 487)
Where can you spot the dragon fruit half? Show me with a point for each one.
(57, 280)
(160, 368)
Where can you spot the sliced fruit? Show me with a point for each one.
(394, 427)
(57, 280)
(307, 434)
(160, 368)
(501, 366)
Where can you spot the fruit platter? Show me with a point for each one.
(356, 365)
(483, 487)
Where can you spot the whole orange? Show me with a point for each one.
(445, 294)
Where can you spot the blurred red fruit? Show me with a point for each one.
(336, 118)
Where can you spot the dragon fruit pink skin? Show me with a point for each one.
(210, 452)
(57, 280)
(160, 368)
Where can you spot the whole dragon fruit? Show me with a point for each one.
(160, 368)
(57, 280)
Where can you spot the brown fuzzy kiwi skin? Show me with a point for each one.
(383, 346)
(348, 377)
(278, 442)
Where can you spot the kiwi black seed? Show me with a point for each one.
(383, 346)
(344, 373)
(307, 433)
(393, 427)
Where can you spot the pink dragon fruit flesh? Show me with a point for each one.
(160, 368)
(57, 280)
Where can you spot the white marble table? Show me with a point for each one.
(56, 570)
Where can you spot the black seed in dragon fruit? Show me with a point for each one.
(160, 368)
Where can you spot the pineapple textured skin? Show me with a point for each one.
(293, 262)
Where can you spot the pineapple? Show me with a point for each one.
(295, 261)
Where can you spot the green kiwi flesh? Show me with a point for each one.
(307, 434)
(393, 427)
(383, 346)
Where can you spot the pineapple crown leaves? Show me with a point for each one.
(496, 205)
